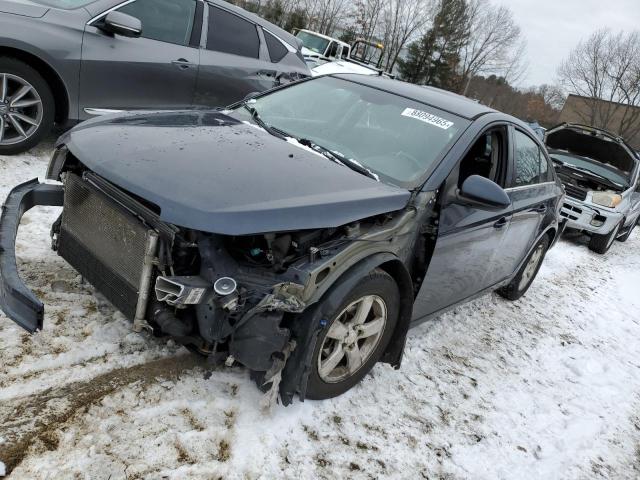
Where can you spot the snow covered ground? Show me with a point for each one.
(547, 387)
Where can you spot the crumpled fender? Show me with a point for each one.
(16, 300)
(306, 328)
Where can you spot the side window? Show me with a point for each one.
(486, 158)
(333, 50)
(229, 33)
(277, 50)
(168, 21)
(531, 164)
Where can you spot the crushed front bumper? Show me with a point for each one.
(581, 216)
(16, 300)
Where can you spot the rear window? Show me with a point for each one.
(229, 33)
(277, 50)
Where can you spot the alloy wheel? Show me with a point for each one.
(352, 339)
(532, 266)
(21, 109)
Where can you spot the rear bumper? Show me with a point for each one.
(16, 300)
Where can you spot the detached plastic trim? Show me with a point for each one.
(16, 300)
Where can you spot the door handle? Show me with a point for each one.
(541, 209)
(501, 223)
(183, 63)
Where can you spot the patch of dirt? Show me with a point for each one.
(32, 421)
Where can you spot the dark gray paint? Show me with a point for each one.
(477, 248)
(99, 70)
(210, 172)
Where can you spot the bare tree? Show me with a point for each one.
(402, 21)
(325, 15)
(368, 16)
(495, 45)
(552, 95)
(605, 71)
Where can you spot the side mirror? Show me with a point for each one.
(485, 192)
(122, 24)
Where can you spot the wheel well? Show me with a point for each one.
(50, 76)
(398, 271)
(551, 233)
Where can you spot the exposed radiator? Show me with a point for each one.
(104, 242)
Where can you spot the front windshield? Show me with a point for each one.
(65, 4)
(313, 42)
(396, 138)
(610, 173)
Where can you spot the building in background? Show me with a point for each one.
(617, 118)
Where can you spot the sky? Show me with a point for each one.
(553, 28)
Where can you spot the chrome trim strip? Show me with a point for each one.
(101, 111)
(524, 187)
(106, 12)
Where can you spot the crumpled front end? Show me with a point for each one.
(244, 298)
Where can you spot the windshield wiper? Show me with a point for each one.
(255, 116)
(338, 158)
(330, 154)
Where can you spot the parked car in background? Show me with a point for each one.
(302, 232)
(66, 60)
(600, 173)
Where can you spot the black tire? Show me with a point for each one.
(20, 69)
(623, 238)
(602, 243)
(516, 288)
(377, 283)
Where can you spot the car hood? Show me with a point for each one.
(23, 7)
(210, 172)
(593, 143)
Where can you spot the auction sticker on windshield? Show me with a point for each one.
(427, 117)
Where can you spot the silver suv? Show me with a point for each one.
(64, 61)
(600, 173)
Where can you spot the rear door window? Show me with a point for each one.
(530, 163)
(229, 33)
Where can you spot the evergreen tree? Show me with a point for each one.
(433, 59)
(274, 11)
(296, 20)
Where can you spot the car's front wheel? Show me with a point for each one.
(602, 243)
(527, 273)
(356, 336)
(26, 107)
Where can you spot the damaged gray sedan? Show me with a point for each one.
(300, 233)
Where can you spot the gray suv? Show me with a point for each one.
(64, 61)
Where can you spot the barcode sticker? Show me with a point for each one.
(427, 117)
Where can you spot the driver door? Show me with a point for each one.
(467, 258)
(157, 70)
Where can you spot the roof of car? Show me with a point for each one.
(442, 99)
